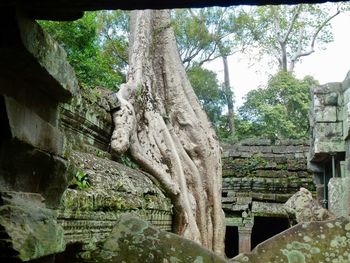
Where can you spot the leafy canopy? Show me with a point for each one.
(207, 89)
(288, 33)
(80, 39)
(279, 111)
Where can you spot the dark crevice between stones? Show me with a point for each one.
(7, 253)
(231, 241)
(5, 131)
(70, 254)
(266, 227)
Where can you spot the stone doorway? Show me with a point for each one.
(231, 241)
(266, 227)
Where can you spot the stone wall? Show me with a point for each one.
(88, 215)
(53, 134)
(329, 151)
(258, 178)
(35, 78)
(261, 177)
(326, 241)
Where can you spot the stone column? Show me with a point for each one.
(338, 196)
(245, 235)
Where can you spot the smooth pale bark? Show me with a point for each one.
(229, 98)
(161, 123)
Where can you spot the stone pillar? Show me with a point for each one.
(338, 196)
(245, 235)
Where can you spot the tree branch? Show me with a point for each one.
(295, 17)
(116, 50)
(311, 50)
(322, 26)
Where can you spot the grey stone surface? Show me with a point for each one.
(135, 240)
(326, 241)
(28, 127)
(326, 120)
(338, 195)
(88, 215)
(52, 58)
(304, 208)
(113, 186)
(28, 230)
(86, 121)
(268, 209)
(266, 173)
(329, 121)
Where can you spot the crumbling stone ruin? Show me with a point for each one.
(329, 152)
(63, 198)
(321, 241)
(258, 178)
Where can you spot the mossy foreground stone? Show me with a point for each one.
(28, 230)
(135, 240)
(315, 242)
(304, 208)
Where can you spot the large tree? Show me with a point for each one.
(166, 131)
(209, 33)
(279, 111)
(288, 33)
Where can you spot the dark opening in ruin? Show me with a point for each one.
(71, 252)
(266, 227)
(5, 132)
(231, 241)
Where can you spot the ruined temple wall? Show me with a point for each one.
(89, 212)
(260, 177)
(51, 131)
(329, 151)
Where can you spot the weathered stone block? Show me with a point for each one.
(88, 215)
(24, 168)
(326, 241)
(113, 187)
(328, 130)
(331, 146)
(28, 127)
(326, 114)
(338, 196)
(134, 240)
(302, 206)
(86, 121)
(29, 230)
(61, 80)
(234, 221)
(331, 99)
(268, 209)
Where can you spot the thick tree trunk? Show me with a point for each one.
(229, 96)
(162, 124)
(283, 56)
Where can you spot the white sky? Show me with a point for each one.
(329, 65)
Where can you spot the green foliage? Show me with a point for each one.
(280, 111)
(81, 41)
(113, 29)
(208, 33)
(124, 159)
(288, 33)
(81, 180)
(205, 85)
